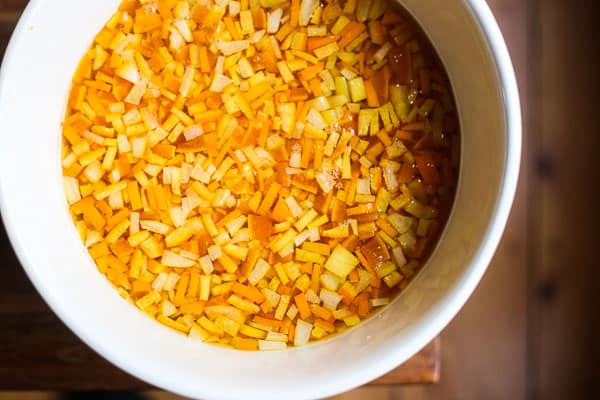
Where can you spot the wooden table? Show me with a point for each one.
(38, 352)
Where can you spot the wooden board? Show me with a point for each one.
(564, 276)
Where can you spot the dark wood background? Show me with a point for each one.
(530, 330)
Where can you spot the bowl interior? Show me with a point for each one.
(35, 80)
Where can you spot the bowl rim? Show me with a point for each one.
(442, 313)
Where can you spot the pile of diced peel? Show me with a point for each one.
(259, 173)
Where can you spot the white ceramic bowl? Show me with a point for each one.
(40, 60)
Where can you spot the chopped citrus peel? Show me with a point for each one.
(259, 174)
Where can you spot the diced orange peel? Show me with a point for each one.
(263, 176)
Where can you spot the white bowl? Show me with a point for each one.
(35, 79)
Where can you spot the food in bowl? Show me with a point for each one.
(259, 174)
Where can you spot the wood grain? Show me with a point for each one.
(10, 11)
(565, 329)
(424, 367)
(12, 6)
(6, 28)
